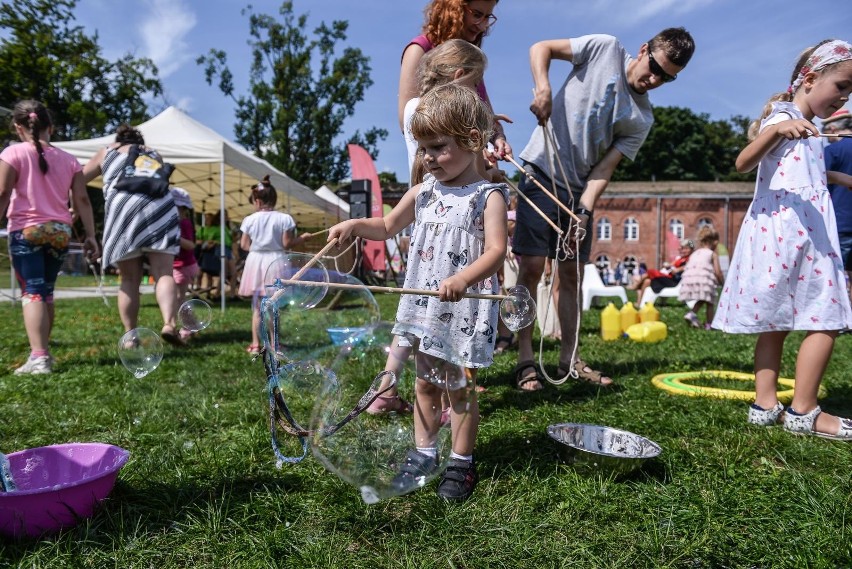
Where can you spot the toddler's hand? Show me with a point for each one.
(342, 231)
(452, 289)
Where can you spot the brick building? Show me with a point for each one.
(632, 219)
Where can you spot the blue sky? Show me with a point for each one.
(745, 51)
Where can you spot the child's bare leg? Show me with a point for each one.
(389, 400)
(711, 312)
(464, 416)
(811, 362)
(767, 363)
(427, 414)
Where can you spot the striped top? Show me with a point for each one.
(135, 223)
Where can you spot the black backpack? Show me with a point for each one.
(145, 172)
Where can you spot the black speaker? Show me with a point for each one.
(360, 199)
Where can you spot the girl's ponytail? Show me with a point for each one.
(34, 117)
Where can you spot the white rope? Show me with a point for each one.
(563, 246)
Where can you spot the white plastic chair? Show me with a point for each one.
(593, 287)
(669, 292)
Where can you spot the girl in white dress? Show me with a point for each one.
(457, 246)
(786, 272)
(267, 235)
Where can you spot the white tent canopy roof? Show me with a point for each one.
(208, 166)
(342, 206)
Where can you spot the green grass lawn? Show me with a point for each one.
(201, 488)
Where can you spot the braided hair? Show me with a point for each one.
(33, 116)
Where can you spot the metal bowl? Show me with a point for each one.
(599, 449)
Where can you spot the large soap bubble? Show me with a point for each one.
(141, 351)
(297, 279)
(377, 453)
(294, 334)
(195, 315)
(300, 347)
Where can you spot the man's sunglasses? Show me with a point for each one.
(657, 70)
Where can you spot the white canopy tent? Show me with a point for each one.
(217, 173)
(341, 206)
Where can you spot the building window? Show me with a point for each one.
(604, 229)
(602, 261)
(677, 228)
(705, 221)
(631, 229)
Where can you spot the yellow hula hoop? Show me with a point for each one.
(675, 384)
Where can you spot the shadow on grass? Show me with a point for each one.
(535, 454)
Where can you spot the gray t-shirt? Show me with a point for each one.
(594, 110)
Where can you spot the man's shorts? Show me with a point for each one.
(846, 250)
(533, 235)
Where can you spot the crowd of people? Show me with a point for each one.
(789, 252)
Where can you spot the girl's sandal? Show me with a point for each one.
(390, 404)
(805, 425)
(253, 349)
(169, 335)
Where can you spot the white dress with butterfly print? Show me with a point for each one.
(448, 235)
(786, 272)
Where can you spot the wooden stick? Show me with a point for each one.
(314, 259)
(535, 208)
(832, 134)
(387, 289)
(550, 194)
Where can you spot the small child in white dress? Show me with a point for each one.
(786, 272)
(457, 246)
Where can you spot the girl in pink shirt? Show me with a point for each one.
(35, 182)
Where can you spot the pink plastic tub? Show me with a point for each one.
(57, 486)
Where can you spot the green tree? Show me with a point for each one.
(295, 110)
(683, 145)
(44, 56)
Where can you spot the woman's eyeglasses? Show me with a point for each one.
(657, 70)
(479, 17)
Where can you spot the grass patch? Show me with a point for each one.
(201, 488)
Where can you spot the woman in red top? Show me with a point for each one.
(469, 20)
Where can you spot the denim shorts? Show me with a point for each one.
(37, 255)
(846, 250)
(534, 236)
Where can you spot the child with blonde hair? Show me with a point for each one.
(457, 245)
(461, 63)
(786, 272)
(702, 275)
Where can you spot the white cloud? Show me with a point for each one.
(163, 29)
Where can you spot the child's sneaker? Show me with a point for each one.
(458, 481)
(692, 318)
(414, 472)
(765, 417)
(39, 365)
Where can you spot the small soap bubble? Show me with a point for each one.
(141, 351)
(195, 315)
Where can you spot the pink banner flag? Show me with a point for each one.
(363, 169)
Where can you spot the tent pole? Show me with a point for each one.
(223, 273)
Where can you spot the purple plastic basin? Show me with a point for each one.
(57, 486)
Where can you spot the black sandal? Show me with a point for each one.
(503, 343)
(521, 380)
